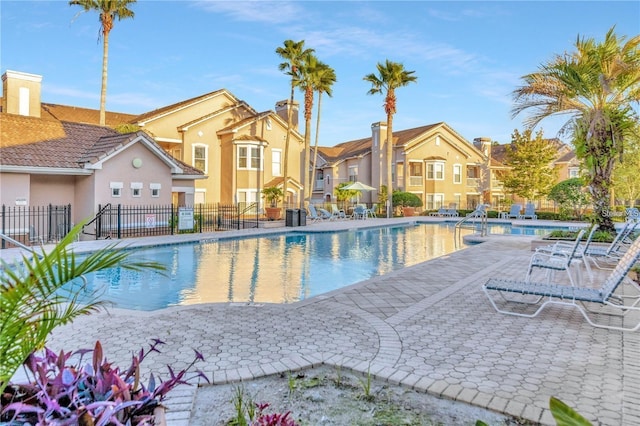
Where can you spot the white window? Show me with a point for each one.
(276, 162)
(353, 173)
(155, 189)
(136, 189)
(435, 171)
(247, 196)
(574, 172)
(200, 153)
(457, 173)
(249, 157)
(116, 189)
(434, 201)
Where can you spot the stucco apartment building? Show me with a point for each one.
(433, 161)
(208, 149)
(51, 155)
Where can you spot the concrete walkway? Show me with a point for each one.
(428, 327)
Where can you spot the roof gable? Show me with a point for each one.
(169, 109)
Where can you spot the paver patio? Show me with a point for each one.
(428, 326)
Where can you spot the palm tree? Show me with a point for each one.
(303, 79)
(391, 75)
(325, 77)
(38, 295)
(293, 53)
(109, 10)
(595, 86)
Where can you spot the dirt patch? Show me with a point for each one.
(330, 396)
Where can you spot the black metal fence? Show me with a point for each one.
(120, 221)
(33, 225)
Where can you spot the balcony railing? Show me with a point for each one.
(415, 180)
(473, 183)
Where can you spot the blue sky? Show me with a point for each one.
(468, 56)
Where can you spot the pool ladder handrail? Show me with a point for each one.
(479, 214)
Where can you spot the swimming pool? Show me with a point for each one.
(281, 268)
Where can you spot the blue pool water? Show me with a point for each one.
(282, 268)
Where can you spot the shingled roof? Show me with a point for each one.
(43, 143)
(359, 147)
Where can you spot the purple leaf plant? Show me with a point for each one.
(89, 392)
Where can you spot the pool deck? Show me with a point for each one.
(428, 327)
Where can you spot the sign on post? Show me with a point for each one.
(185, 218)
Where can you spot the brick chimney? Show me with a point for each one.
(21, 93)
(282, 111)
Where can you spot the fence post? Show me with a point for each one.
(171, 219)
(4, 215)
(67, 224)
(119, 231)
(99, 223)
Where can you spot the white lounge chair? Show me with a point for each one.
(614, 251)
(514, 212)
(555, 260)
(480, 211)
(338, 213)
(442, 212)
(529, 212)
(544, 294)
(313, 214)
(324, 214)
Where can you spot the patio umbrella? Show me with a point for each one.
(358, 186)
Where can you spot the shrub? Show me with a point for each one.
(406, 199)
(88, 393)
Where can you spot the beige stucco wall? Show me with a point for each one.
(166, 126)
(121, 169)
(52, 189)
(14, 187)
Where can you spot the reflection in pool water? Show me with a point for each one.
(281, 268)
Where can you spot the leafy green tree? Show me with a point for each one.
(44, 292)
(532, 173)
(109, 11)
(596, 87)
(571, 195)
(293, 52)
(391, 75)
(323, 80)
(626, 175)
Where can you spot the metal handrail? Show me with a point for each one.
(17, 243)
(477, 214)
(96, 217)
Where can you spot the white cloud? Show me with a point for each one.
(279, 12)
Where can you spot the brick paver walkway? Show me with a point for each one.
(428, 326)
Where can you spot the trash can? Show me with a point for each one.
(291, 218)
(302, 219)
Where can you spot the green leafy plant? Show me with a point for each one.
(572, 197)
(272, 195)
(565, 415)
(366, 386)
(95, 392)
(406, 199)
(245, 407)
(44, 291)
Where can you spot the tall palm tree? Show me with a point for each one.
(109, 10)
(391, 75)
(325, 78)
(596, 87)
(304, 81)
(293, 52)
